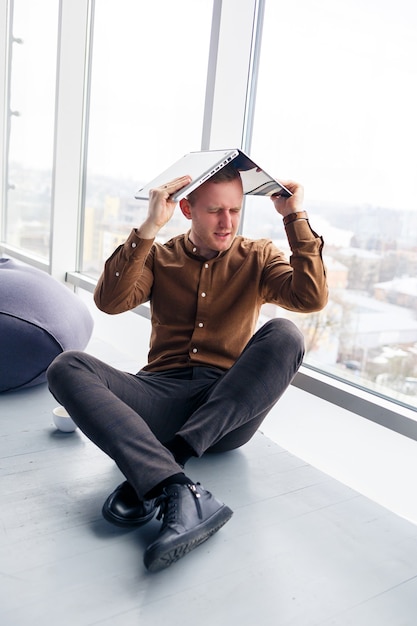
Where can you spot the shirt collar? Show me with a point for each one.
(192, 250)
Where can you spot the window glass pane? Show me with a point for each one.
(31, 120)
(336, 110)
(149, 72)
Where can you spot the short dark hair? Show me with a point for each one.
(227, 174)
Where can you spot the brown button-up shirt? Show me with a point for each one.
(204, 312)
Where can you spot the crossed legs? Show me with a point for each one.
(130, 417)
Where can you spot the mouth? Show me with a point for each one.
(222, 235)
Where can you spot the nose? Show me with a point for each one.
(226, 220)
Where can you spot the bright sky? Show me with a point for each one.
(336, 101)
(337, 97)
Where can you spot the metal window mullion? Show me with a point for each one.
(69, 144)
(231, 84)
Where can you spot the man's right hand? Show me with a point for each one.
(161, 208)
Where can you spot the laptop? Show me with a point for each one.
(202, 165)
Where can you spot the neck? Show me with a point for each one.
(205, 253)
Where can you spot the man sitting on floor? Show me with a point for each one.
(210, 379)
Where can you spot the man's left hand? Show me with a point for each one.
(283, 205)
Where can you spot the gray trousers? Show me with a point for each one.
(130, 416)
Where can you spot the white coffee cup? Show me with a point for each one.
(62, 420)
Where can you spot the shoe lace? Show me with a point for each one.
(168, 506)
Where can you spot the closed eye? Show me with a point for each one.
(219, 210)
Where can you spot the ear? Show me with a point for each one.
(185, 208)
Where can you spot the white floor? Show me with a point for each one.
(302, 549)
(371, 459)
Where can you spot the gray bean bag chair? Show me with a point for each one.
(39, 319)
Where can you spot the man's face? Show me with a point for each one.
(215, 215)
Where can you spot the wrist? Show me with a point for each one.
(297, 215)
(148, 230)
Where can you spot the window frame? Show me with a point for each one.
(227, 120)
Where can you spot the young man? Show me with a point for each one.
(210, 379)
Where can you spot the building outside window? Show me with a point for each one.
(335, 110)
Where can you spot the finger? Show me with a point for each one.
(177, 183)
(291, 185)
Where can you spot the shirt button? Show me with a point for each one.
(201, 324)
(206, 265)
(203, 295)
(134, 244)
(117, 274)
(195, 350)
(194, 249)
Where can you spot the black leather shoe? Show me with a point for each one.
(190, 516)
(124, 508)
